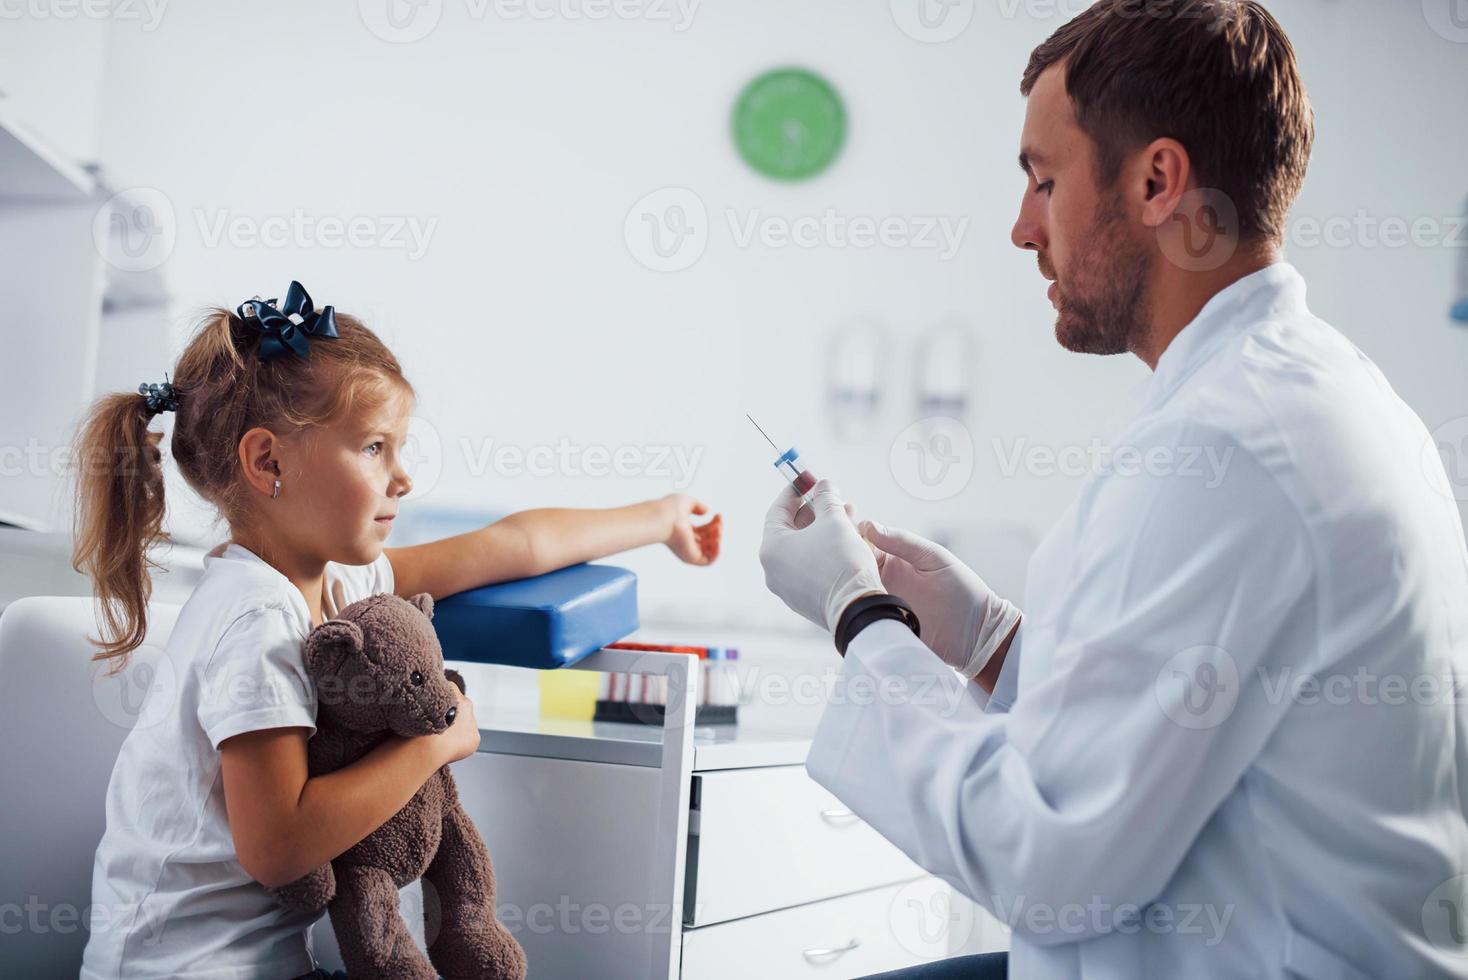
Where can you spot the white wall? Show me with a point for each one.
(52, 61)
(528, 319)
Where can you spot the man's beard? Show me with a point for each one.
(1103, 299)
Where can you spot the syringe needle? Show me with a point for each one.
(762, 432)
(788, 464)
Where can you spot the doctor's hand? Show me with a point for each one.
(819, 564)
(964, 622)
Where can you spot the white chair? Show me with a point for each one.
(62, 722)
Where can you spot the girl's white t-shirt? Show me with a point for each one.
(169, 898)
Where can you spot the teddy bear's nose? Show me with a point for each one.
(448, 719)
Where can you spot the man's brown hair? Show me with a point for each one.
(1218, 76)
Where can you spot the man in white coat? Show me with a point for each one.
(1224, 737)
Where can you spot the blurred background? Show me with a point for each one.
(598, 234)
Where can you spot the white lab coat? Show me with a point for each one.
(1152, 791)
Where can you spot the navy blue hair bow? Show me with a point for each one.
(289, 327)
(161, 398)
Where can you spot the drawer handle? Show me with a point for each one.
(819, 954)
(838, 817)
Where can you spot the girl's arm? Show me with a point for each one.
(533, 542)
(286, 824)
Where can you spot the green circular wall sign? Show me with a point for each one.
(789, 124)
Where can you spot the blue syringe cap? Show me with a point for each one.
(790, 456)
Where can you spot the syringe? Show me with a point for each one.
(789, 465)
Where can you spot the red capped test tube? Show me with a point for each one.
(793, 470)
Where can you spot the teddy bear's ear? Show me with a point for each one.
(424, 602)
(330, 644)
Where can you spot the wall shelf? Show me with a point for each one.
(31, 170)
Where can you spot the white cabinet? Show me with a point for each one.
(771, 837)
(849, 936)
(52, 304)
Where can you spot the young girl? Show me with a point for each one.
(291, 421)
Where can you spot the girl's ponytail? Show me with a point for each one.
(119, 516)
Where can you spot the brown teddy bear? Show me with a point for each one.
(378, 670)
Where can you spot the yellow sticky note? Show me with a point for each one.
(568, 694)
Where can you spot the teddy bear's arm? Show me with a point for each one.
(310, 893)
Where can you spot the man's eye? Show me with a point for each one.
(1044, 187)
(375, 448)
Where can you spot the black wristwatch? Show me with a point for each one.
(867, 610)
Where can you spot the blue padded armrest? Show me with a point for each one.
(547, 621)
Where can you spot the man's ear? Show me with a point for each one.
(329, 646)
(424, 602)
(1166, 171)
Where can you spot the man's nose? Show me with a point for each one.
(1028, 233)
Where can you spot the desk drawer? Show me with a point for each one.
(766, 839)
(850, 936)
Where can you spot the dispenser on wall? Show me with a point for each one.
(855, 376)
(944, 368)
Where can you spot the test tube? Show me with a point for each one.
(722, 687)
(793, 470)
(707, 676)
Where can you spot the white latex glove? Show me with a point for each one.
(963, 621)
(820, 565)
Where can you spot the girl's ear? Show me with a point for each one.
(424, 602)
(329, 646)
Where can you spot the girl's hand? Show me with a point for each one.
(695, 544)
(461, 739)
